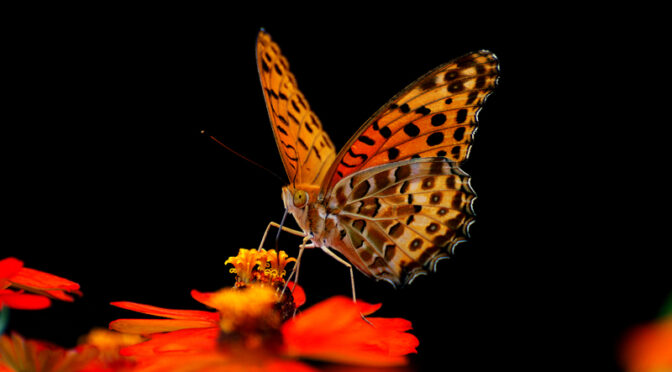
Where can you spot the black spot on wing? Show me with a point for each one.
(423, 111)
(435, 138)
(281, 130)
(411, 130)
(438, 119)
(392, 153)
(366, 140)
(385, 132)
(277, 69)
(472, 97)
(355, 155)
(459, 133)
(456, 87)
(461, 116)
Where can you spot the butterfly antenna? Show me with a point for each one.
(245, 158)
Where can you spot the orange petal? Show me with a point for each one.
(39, 279)
(148, 326)
(648, 347)
(44, 283)
(168, 313)
(206, 298)
(9, 267)
(23, 301)
(185, 341)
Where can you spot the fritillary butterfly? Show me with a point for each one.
(394, 200)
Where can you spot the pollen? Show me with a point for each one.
(260, 267)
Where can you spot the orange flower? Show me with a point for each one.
(331, 331)
(19, 354)
(44, 285)
(254, 327)
(108, 344)
(648, 348)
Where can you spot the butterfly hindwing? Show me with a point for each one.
(305, 148)
(404, 216)
(434, 116)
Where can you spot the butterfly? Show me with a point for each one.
(393, 201)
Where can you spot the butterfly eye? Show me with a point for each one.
(300, 198)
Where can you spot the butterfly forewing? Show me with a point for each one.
(434, 116)
(306, 150)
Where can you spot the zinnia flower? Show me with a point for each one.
(44, 286)
(254, 327)
(18, 355)
(648, 348)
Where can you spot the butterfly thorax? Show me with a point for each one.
(319, 221)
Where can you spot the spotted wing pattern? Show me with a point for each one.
(306, 150)
(404, 216)
(434, 116)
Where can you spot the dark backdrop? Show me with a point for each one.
(109, 181)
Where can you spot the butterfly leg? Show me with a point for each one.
(352, 278)
(344, 262)
(283, 228)
(295, 270)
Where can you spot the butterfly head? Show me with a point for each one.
(297, 197)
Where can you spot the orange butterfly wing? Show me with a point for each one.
(306, 150)
(434, 116)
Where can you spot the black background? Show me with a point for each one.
(110, 183)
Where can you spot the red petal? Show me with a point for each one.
(203, 297)
(396, 324)
(186, 340)
(9, 267)
(333, 330)
(40, 280)
(22, 301)
(647, 347)
(149, 326)
(211, 316)
(298, 293)
(367, 308)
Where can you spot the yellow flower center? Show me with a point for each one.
(259, 266)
